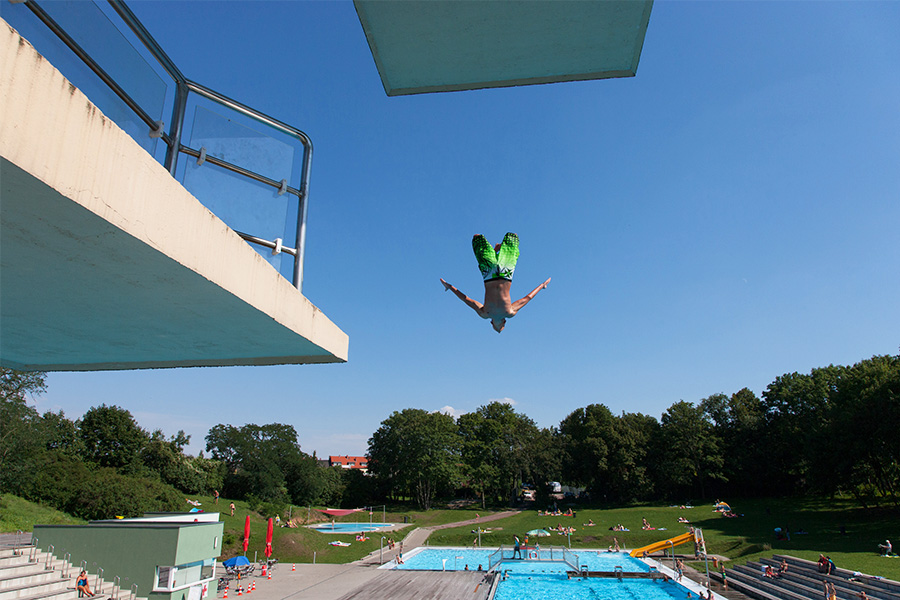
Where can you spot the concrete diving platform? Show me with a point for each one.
(108, 262)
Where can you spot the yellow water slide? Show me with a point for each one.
(675, 541)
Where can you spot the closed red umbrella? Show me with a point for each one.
(247, 533)
(268, 552)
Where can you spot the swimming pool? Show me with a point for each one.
(460, 559)
(559, 587)
(350, 527)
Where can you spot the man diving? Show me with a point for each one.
(497, 265)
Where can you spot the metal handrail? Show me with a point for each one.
(172, 139)
(32, 552)
(134, 589)
(65, 570)
(117, 584)
(99, 582)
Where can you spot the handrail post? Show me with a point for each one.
(99, 583)
(47, 564)
(66, 558)
(116, 586)
(134, 589)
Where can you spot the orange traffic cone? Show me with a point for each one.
(270, 574)
(293, 567)
(240, 593)
(254, 585)
(226, 594)
(264, 571)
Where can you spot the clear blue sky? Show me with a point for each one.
(729, 215)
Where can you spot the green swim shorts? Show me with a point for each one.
(498, 264)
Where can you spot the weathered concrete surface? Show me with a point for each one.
(107, 262)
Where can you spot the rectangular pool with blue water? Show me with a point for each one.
(543, 573)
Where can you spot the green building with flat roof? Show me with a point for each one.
(169, 556)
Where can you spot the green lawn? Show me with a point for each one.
(741, 539)
(19, 514)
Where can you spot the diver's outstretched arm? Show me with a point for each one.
(473, 304)
(518, 304)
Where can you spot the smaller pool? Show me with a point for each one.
(350, 527)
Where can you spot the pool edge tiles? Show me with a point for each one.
(457, 558)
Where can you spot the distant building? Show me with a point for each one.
(349, 462)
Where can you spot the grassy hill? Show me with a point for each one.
(17, 514)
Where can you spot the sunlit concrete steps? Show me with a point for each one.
(21, 579)
(878, 588)
(802, 580)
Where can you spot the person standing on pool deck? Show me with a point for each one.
(497, 266)
(518, 549)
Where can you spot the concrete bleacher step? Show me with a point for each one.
(740, 575)
(841, 575)
(743, 588)
(31, 574)
(843, 587)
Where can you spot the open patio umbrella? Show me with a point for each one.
(539, 533)
(247, 533)
(268, 551)
(236, 561)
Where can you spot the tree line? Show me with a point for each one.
(104, 464)
(833, 430)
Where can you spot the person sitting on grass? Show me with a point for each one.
(886, 548)
(81, 584)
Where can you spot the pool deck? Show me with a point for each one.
(356, 582)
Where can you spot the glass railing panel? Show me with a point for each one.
(93, 30)
(251, 144)
(243, 204)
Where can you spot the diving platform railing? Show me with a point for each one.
(249, 156)
(533, 554)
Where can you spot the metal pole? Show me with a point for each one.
(381, 554)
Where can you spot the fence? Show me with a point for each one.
(240, 155)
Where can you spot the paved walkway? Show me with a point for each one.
(417, 537)
(334, 582)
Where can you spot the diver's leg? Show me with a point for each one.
(487, 258)
(508, 255)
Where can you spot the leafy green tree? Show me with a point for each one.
(586, 436)
(20, 384)
(259, 459)
(739, 423)
(112, 438)
(415, 453)
(21, 430)
(496, 442)
(631, 458)
(61, 434)
(692, 456)
(795, 446)
(863, 450)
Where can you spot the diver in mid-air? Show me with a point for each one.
(497, 265)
